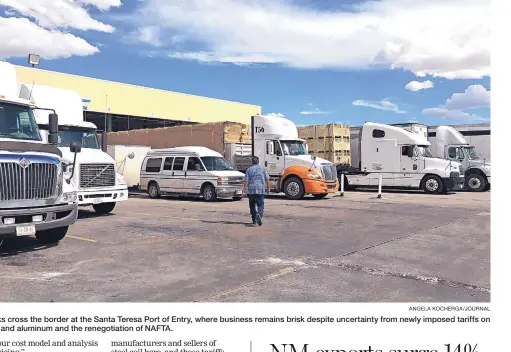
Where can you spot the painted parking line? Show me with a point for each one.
(81, 238)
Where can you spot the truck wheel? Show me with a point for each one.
(320, 196)
(104, 208)
(432, 184)
(475, 183)
(209, 193)
(51, 236)
(293, 188)
(153, 190)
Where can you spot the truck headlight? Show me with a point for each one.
(120, 180)
(455, 174)
(68, 197)
(313, 176)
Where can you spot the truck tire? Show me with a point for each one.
(52, 236)
(432, 184)
(153, 190)
(320, 196)
(293, 188)
(475, 183)
(209, 193)
(104, 208)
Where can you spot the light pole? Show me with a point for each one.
(34, 59)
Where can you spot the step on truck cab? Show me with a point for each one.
(402, 158)
(95, 173)
(36, 195)
(192, 171)
(451, 145)
(285, 156)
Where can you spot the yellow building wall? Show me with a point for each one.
(126, 99)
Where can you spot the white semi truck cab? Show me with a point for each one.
(35, 195)
(94, 174)
(402, 158)
(285, 156)
(451, 145)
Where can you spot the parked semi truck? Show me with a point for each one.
(401, 157)
(98, 183)
(37, 196)
(291, 169)
(448, 143)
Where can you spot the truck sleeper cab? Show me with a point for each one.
(195, 171)
(402, 158)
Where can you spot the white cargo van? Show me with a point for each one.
(197, 171)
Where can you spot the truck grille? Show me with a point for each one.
(36, 181)
(329, 172)
(235, 180)
(97, 175)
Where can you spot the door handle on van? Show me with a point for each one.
(172, 173)
(185, 173)
(265, 163)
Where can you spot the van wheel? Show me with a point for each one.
(209, 193)
(52, 236)
(293, 188)
(475, 183)
(104, 208)
(153, 190)
(432, 184)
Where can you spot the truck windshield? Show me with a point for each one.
(85, 136)
(294, 147)
(471, 153)
(425, 151)
(18, 122)
(216, 163)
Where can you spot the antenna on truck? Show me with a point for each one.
(31, 89)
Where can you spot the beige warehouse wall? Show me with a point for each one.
(125, 99)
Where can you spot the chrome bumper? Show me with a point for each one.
(108, 195)
(229, 191)
(53, 217)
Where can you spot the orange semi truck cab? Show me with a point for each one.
(286, 158)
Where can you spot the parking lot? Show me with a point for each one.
(406, 247)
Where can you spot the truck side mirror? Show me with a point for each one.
(75, 147)
(269, 148)
(410, 152)
(53, 127)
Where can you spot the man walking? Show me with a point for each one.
(257, 181)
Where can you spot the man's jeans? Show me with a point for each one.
(253, 200)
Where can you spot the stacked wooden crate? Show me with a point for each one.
(330, 142)
(209, 135)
